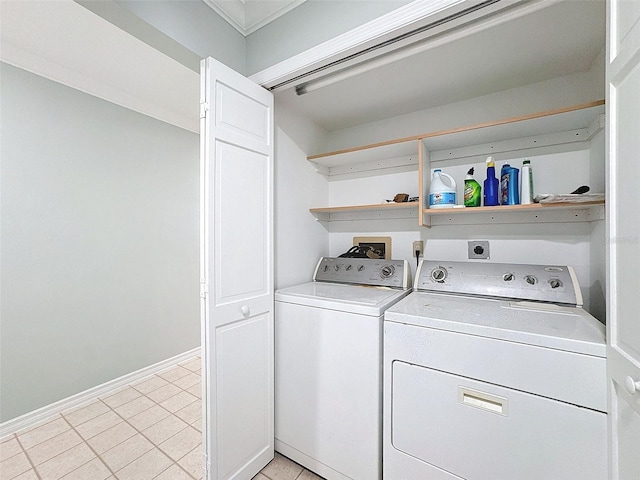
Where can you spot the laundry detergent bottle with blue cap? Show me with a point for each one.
(491, 184)
(442, 193)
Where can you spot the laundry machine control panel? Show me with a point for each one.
(364, 271)
(544, 283)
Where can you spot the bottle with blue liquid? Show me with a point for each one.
(490, 185)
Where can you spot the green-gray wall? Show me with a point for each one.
(99, 251)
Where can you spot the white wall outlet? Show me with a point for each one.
(418, 246)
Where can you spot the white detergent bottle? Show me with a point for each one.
(442, 193)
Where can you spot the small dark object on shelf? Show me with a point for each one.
(582, 189)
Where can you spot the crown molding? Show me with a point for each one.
(238, 13)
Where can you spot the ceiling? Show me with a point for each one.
(95, 57)
(247, 16)
(563, 38)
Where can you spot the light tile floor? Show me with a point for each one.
(144, 431)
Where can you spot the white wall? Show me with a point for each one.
(578, 244)
(99, 241)
(300, 240)
(568, 244)
(551, 94)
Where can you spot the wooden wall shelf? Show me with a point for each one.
(527, 133)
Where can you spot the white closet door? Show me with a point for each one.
(623, 355)
(237, 272)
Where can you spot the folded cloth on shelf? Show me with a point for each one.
(569, 197)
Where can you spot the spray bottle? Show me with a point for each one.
(491, 184)
(472, 191)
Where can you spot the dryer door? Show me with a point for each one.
(462, 426)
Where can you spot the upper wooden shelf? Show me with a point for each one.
(512, 214)
(532, 213)
(514, 208)
(578, 123)
(575, 123)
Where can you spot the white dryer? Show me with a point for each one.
(494, 372)
(328, 354)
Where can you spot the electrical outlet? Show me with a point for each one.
(478, 250)
(418, 246)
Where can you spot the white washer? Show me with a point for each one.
(494, 372)
(328, 351)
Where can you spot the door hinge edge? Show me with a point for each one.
(204, 108)
(206, 466)
(204, 288)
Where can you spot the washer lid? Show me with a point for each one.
(545, 325)
(360, 299)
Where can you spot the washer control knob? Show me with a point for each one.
(555, 283)
(439, 274)
(348, 267)
(530, 279)
(631, 385)
(361, 268)
(325, 268)
(387, 271)
(508, 277)
(336, 267)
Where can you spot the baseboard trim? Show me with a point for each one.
(36, 416)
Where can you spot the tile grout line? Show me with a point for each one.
(62, 415)
(90, 448)
(112, 409)
(175, 462)
(24, 450)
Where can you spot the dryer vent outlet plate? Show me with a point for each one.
(478, 250)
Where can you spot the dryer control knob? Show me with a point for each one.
(555, 283)
(387, 271)
(530, 279)
(439, 274)
(631, 385)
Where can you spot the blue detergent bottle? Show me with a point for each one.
(491, 184)
(509, 185)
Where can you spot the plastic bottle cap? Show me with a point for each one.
(437, 170)
(490, 162)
